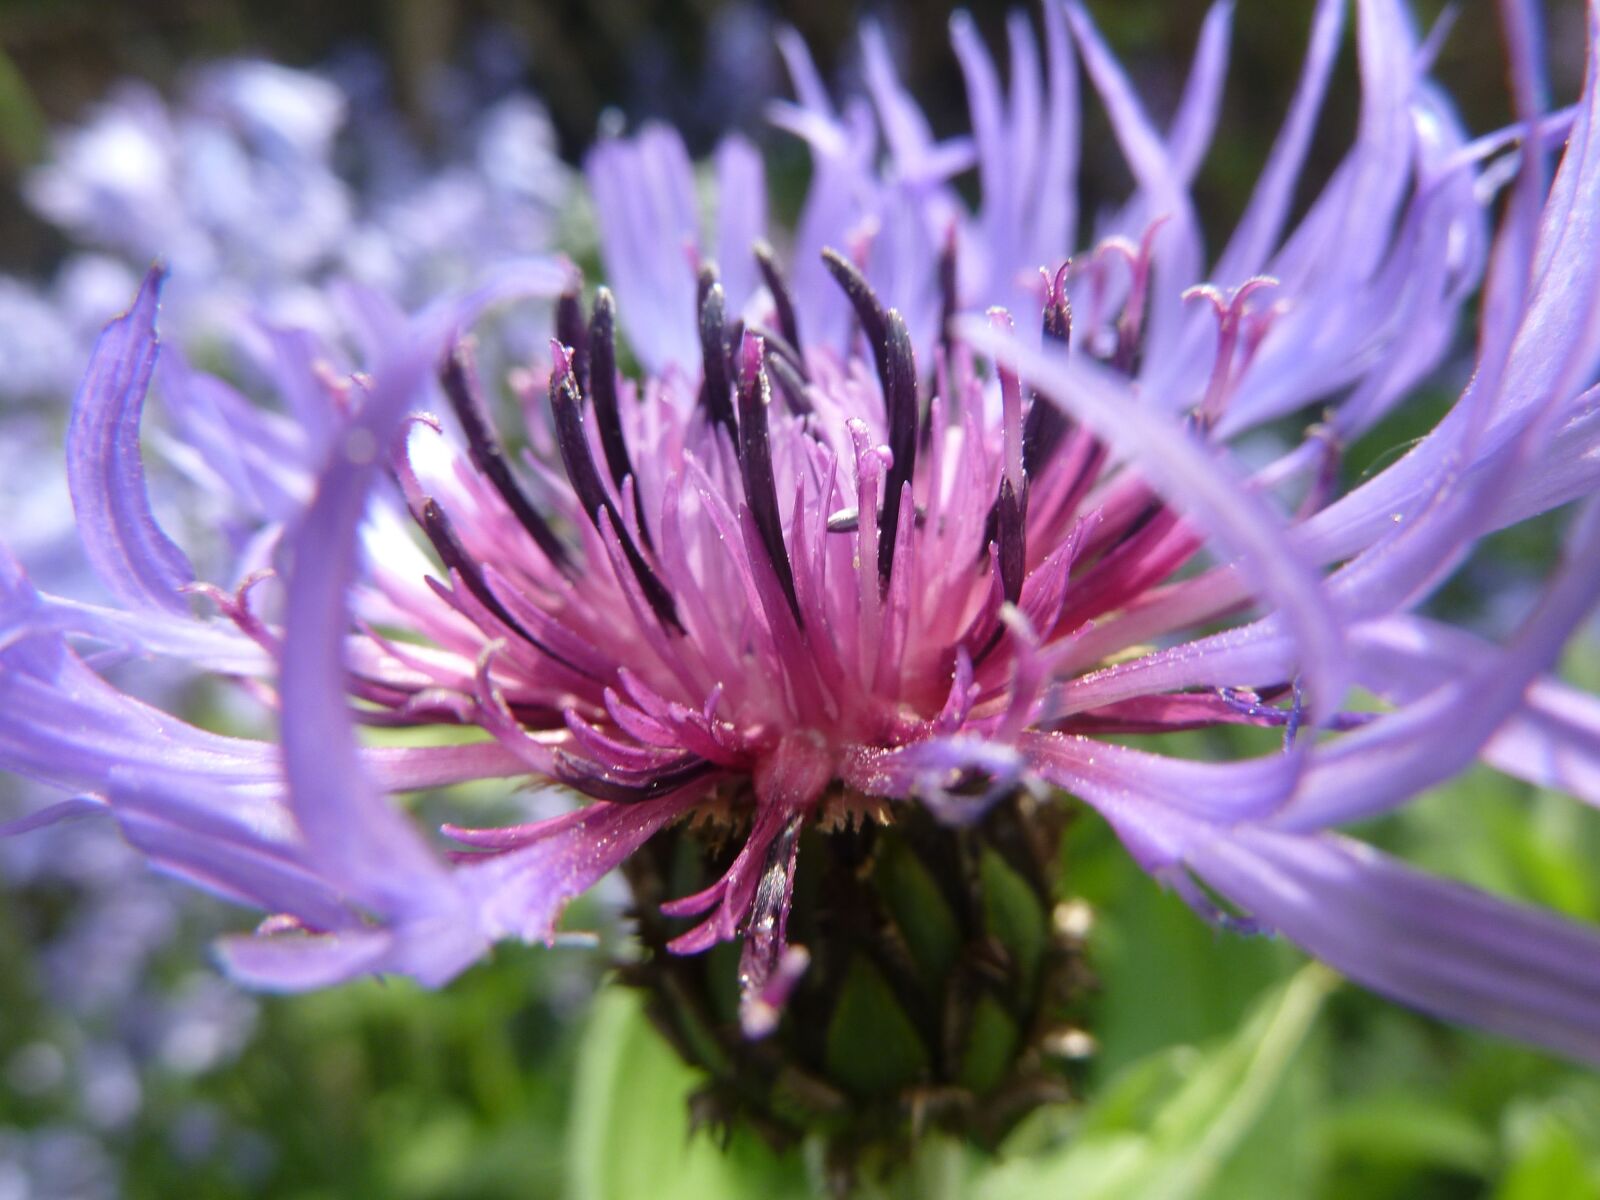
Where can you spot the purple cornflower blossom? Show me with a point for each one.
(853, 543)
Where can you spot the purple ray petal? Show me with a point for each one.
(1177, 252)
(1434, 944)
(53, 814)
(240, 847)
(1195, 121)
(644, 198)
(1552, 740)
(1436, 736)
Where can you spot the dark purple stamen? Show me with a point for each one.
(778, 347)
(899, 376)
(782, 299)
(1057, 308)
(1046, 425)
(1058, 328)
(603, 393)
(566, 402)
(790, 384)
(570, 330)
(991, 530)
(1010, 533)
(455, 557)
(489, 457)
(869, 312)
(1043, 431)
(1151, 509)
(948, 295)
(441, 533)
(755, 463)
(590, 780)
(716, 388)
(1006, 529)
(783, 360)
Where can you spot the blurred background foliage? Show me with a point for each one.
(1226, 1067)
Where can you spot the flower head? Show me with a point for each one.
(890, 522)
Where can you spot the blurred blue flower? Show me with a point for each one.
(238, 187)
(854, 543)
(240, 169)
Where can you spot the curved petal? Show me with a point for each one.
(643, 191)
(1258, 230)
(105, 471)
(1437, 945)
(1198, 484)
(353, 835)
(1553, 738)
(741, 216)
(1431, 739)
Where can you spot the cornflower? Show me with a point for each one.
(857, 579)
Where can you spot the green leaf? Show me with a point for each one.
(1403, 1128)
(1551, 1162)
(630, 1134)
(1180, 1149)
